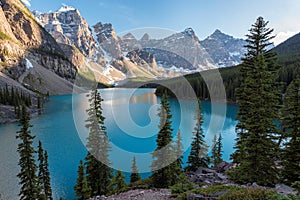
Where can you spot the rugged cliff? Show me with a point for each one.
(24, 43)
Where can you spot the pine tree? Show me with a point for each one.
(291, 124)
(198, 156)
(41, 171)
(219, 150)
(43, 174)
(6, 95)
(162, 175)
(176, 166)
(1, 97)
(39, 102)
(214, 150)
(12, 96)
(99, 173)
(81, 188)
(258, 99)
(47, 184)
(118, 184)
(135, 176)
(179, 150)
(28, 168)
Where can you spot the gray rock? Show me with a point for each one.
(223, 167)
(284, 189)
(140, 194)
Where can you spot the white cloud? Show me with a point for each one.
(282, 36)
(26, 2)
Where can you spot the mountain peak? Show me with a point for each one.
(146, 37)
(66, 8)
(189, 31)
(103, 26)
(129, 36)
(217, 32)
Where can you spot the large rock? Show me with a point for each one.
(223, 167)
(208, 177)
(284, 189)
(139, 194)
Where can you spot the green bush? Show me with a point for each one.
(238, 193)
(183, 186)
(141, 184)
(248, 194)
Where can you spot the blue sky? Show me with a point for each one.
(233, 17)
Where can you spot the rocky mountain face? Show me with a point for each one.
(108, 39)
(63, 42)
(22, 41)
(178, 51)
(223, 49)
(78, 41)
(68, 27)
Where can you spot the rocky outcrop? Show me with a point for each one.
(223, 49)
(130, 43)
(108, 39)
(24, 39)
(139, 194)
(208, 177)
(67, 26)
(223, 167)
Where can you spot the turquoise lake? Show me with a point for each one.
(132, 125)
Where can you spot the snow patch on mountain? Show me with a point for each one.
(28, 64)
(66, 8)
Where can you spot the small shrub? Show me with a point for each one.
(237, 193)
(141, 184)
(181, 187)
(248, 194)
(3, 36)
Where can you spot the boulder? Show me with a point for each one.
(284, 189)
(223, 167)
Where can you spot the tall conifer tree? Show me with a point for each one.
(135, 176)
(179, 150)
(291, 124)
(162, 176)
(198, 156)
(258, 99)
(99, 173)
(41, 169)
(28, 168)
(118, 183)
(217, 150)
(43, 174)
(81, 188)
(47, 184)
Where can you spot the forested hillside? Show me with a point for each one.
(288, 58)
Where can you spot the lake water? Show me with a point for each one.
(132, 125)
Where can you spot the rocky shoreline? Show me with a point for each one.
(202, 178)
(7, 114)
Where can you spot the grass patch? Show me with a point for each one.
(222, 192)
(3, 36)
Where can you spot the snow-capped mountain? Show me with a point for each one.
(181, 50)
(67, 26)
(223, 49)
(123, 57)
